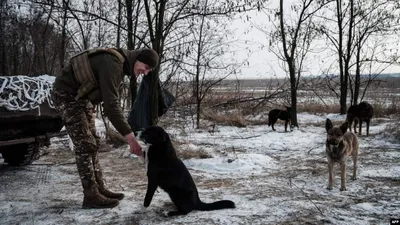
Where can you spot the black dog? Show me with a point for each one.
(362, 112)
(276, 114)
(167, 171)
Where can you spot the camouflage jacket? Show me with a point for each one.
(109, 72)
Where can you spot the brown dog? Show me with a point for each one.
(340, 144)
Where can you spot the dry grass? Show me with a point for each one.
(317, 108)
(231, 118)
(190, 154)
(217, 183)
(393, 130)
(184, 153)
(384, 110)
(237, 115)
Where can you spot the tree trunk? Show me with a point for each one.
(129, 20)
(198, 70)
(197, 94)
(156, 37)
(198, 114)
(15, 54)
(118, 44)
(63, 34)
(3, 61)
(357, 77)
(136, 23)
(344, 87)
(351, 85)
(293, 92)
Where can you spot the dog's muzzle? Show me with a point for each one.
(333, 142)
(139, 136)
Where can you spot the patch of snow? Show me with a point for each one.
(273, 178)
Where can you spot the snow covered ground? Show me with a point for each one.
(273, 177)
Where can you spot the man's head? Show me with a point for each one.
(145, 62)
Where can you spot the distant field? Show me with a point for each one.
(384, 91)
(313, 95)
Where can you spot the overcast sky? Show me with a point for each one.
(264, 64)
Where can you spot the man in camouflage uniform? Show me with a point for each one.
(95, 76)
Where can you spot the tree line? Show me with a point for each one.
(194, 43)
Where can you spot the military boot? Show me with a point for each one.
(100, 181)
(92, 197)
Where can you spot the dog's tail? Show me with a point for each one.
(224, 204)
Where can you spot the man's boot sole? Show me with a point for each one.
(119, 198)
(95, 206)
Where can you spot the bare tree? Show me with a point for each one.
(29, 41)
(5, 12)
(167, 18)
(356, 23)
(372, 19)
(294, 39)
(207, 61)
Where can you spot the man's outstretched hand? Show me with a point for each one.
(135, 147)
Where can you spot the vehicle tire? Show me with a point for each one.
(21, 154)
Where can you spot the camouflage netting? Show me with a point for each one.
(23, 93)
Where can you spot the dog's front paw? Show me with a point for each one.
(343, 189)
(329, 187)
(142, 209)
(146, 204)
(354, 178)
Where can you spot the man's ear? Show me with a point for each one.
(328, 124)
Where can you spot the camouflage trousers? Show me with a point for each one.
(78, 118)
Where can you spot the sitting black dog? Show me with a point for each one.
(362, 112)
(276, 114)
(166, 170)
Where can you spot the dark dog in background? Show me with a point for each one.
(340, 144)
(285, 115)
(360, 113)
(167, 171)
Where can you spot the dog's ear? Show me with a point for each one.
(344, 127)
(328, 124)
(165, 137)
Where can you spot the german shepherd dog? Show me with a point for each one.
(340, 144)
(167, 171)
(362, 112)
(285, 115)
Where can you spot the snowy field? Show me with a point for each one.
(273, 177)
